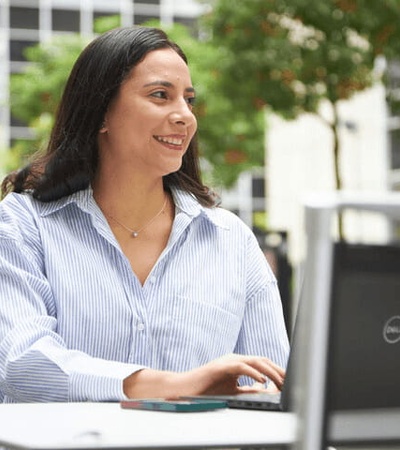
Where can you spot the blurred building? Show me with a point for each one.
(300, 161)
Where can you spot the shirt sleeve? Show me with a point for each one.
(35, 364)
(263, 331)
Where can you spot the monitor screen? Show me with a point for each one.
(364, 336)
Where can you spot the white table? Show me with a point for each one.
(59, 426)
(67, 426)
(380, 426)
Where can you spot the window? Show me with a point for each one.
(141, 18)
(258, 187)
(187, 21)
(150, 2)
(393, 96)
(24, 18)
(395, 148)
(17, 49)
(14, 122)
(65, 20)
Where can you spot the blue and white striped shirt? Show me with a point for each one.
(75, 320)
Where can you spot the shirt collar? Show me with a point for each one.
(83, 199)
(184, 202)
(189, 205)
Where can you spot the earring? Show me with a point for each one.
(103, 128)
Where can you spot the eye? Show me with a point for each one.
(159, 94)
(191, 101)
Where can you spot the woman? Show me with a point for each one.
(122, 278)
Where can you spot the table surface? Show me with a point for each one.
(65, 426)
(59, 426)
(367, 426)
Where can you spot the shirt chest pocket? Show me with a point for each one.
(197, 332)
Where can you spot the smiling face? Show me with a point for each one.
(149, 124)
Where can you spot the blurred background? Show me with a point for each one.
(294, 96)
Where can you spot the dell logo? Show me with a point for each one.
(391, 330)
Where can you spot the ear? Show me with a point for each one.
(103, 128)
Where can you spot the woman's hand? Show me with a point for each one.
(219, 377)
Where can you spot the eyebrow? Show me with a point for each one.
(167, 84)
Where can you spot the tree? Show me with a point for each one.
(35, 93)
(290, 55)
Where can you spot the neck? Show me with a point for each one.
(131, 200)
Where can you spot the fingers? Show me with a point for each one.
(246, 368)
(258, 387)
(272, 371)
(254, 388)
(258, 368)
(272, 389)
(268, 370)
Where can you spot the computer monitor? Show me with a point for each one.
(363, 370)
(315, 405)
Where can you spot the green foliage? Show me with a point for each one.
(260, 221)
(103, 24)
(35, 93)
(38, 89)
(291, 54)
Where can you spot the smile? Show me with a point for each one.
(170, 140)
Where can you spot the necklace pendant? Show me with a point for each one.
(133, 233)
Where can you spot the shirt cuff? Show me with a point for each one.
(102, 381)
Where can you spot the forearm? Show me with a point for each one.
(219, 376)
(149, 383)
(54, 374)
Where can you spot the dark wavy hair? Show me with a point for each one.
(70, 161)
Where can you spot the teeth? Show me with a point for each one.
(173, 141)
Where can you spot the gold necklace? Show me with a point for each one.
(135, 233)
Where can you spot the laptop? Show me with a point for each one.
(280, 401)
(257, 400)
(363, 370)
(363, 367)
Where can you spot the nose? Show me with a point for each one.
(182, 114)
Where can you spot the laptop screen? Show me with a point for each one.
(364, 343)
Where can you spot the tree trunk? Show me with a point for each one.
(336, 161)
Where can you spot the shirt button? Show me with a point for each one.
(153, 279)
(140, 327)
